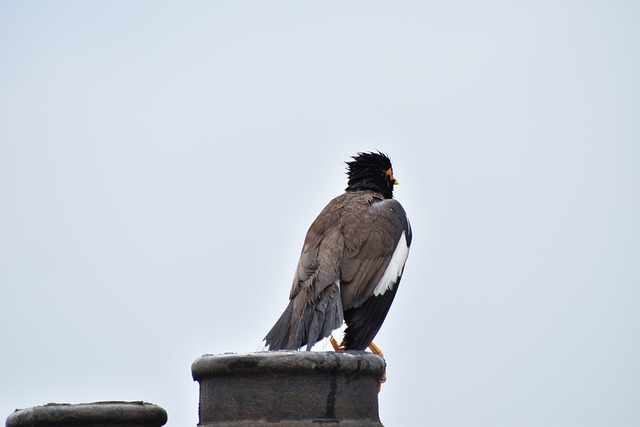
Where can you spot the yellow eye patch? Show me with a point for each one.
(389, 173)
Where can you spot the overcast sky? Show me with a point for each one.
(160, 164)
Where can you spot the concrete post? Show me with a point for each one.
(99, 414)
(289, 388)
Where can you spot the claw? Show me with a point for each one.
(382, 379)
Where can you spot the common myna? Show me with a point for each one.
(351, 263)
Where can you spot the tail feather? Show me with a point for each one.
(326, 315)
(297, 328)
(279, 336)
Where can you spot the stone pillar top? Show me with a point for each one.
(344, 362)
(103, 414)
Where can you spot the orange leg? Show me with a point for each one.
(334, 343)
(376, 350)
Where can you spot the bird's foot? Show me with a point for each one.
(376, 350)
(334, 343)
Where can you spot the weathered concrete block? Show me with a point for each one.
(289, 388)
(98, 414)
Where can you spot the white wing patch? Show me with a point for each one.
(395, 267)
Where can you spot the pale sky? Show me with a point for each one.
(160, 163)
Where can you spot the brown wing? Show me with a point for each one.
(345, 254)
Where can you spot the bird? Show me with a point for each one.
(351, 263)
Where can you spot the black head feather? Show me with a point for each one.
(371, 171)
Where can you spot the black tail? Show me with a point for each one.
(364, 322)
